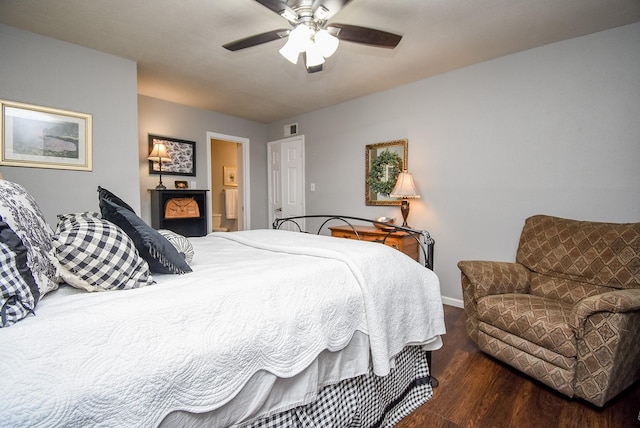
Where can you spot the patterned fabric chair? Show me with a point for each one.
(567, 312)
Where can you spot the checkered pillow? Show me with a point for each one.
(181, 243)
(96, 255)
(19, 292)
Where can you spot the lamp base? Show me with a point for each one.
(161, 187)
(404, 209)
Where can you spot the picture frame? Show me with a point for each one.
(182, 153)
(43, 137)
(181, 184)
(230, 176)
(383, 162)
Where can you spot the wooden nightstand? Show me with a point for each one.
(401, 241)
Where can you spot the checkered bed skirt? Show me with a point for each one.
(364, 402)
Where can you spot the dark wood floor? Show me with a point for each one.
(478, 391)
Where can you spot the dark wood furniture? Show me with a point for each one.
(401, 241)
(192, 226)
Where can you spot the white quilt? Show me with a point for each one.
(190, 342)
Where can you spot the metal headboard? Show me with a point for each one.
(425, 241)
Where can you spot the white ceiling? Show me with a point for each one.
(178, 44)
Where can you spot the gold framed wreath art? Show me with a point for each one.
(384, 161)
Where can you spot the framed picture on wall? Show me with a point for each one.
(181, 152)
(230, 176)
(43, 137)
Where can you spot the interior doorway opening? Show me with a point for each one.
(228, 175)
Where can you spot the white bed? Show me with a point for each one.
(267, 322)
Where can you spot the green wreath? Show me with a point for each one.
(379, 166)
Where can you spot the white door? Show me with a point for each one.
(286, 179)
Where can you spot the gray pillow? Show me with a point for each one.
(161, 256)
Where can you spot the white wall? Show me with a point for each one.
(47, 72)
(552, 130)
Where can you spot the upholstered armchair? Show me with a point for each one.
(567, 312)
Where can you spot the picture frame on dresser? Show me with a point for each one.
(43, 137)
(181, 152)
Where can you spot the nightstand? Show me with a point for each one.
(190, 226)
(401, 241)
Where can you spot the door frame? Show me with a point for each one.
(244, 218)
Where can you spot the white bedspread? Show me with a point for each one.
(190, 342)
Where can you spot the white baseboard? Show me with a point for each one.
(452, 302)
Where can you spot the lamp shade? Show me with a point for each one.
(405, 188)
(326, 42)
(314, 55)
(159, 153)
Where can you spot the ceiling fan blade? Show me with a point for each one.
(364, 35)
(258, 39)
(325, 9)
(281, 8)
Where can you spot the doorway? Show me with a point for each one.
(286, 178)
(228, 175)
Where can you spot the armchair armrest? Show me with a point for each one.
(618, 301)
(489, 277)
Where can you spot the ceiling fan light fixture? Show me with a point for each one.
(314, 56)
(326, 42)
(290, 52)
(300, 37)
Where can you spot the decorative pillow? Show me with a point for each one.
(105, 194)
(19, 292)
(21, 212)
(96, 255)
(180, 243)
(153, 247)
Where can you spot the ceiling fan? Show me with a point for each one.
(311, 35)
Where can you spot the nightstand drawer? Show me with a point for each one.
(401, 241)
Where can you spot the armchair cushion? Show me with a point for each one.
(564, 289)
(541, 321)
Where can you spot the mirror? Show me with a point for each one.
(383, 161)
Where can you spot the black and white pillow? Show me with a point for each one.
(180, 243)
(21, 212)
(161, 256)
(96, 255)
(19, 292)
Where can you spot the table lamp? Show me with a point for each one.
(159, 154)
(404, 189)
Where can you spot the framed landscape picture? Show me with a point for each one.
(43, 137)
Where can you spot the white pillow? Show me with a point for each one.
(96, 255)
(181, 243)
